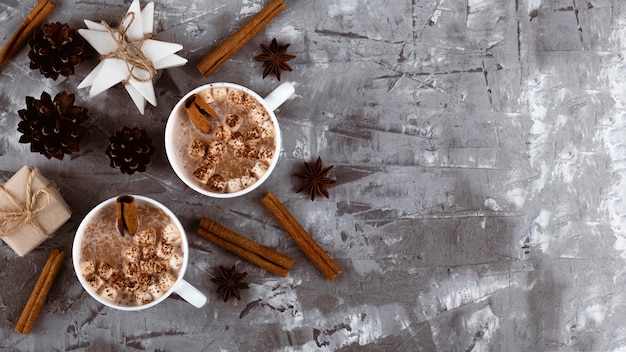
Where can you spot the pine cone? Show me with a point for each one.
(52, 127)
(55, 49)
(130, 150)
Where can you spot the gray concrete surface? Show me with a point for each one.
(479, 155)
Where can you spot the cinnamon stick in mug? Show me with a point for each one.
(127, 218)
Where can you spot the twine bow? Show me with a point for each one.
(24, 213)
(130, 51)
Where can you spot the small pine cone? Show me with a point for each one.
(130, 150)
(52, 127)
(55, 49)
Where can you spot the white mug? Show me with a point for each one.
(180, 287)
(176, 143)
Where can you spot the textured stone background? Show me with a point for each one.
(478, 149)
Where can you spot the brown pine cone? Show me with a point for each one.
(52, 127)
(130, 150)
(55, 49)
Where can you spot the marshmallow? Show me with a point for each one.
(164, 249)
(205, 169)
(250, 152)
(131, 269)
(253, 134)
(208, 97)
(234, 185)
(131, 253)
(267, 129)
(248, 180)
(266, 154)
(233, 121)
(145, 238)
(106, 271)
(259, 169)
(217, 183)
(117, 281)
(217, 94)
(223, 133)
(87, 267)
(148, 253)
(237, 141)
(170, 233)
(198, 148)
(155, 291)
(109, 293)
(160, 266)
(166, 281)
(95, 282)
(216, 148)
(142, 296)
(176, 261)
(145, 280)
(146, 266)
(236, 96)
(258, 114)
(132, 285)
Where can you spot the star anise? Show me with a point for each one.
(274, 58)
(230, 282)
(315, 180)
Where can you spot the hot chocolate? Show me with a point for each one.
(239, 146)
(131, 270)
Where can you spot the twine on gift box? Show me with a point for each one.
(129, 51)
(25, 212)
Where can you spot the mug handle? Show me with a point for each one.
(279, 95)
(190, 294)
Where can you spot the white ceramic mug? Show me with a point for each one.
(180, 287)
(176, 143)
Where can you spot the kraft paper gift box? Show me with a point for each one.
(31, 210)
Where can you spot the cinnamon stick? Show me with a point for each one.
(256, 253)
(26, 29)
(204, 106)
(242, 36)
(127, 218)
(40, 292)
(302, 238)
(198, 119)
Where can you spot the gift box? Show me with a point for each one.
(31, 210)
